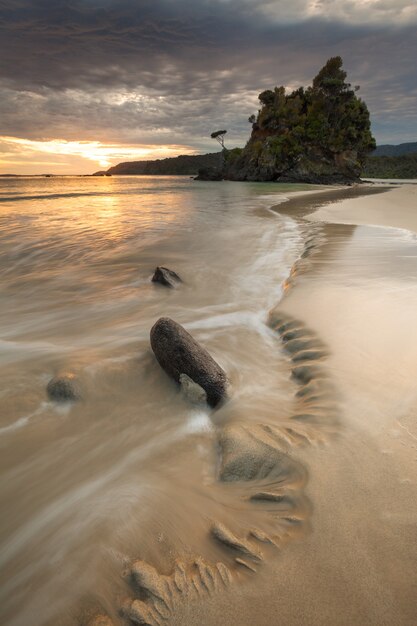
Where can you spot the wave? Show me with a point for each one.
(22, 421)
(55, 196)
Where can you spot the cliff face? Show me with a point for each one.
(316, 166)
(318, 135)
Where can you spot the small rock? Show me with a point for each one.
(165, 276)
(192, 391)
(179, 353)
(64, 388)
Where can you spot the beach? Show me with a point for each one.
(358, 293)
(302, 486)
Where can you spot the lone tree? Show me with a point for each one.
(218, 135)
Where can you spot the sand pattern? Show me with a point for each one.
(255, 455)
(255, 459)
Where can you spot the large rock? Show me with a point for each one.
(165, 276)
(179, 353)
(64, 388)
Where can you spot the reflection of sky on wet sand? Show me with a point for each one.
(359, 286)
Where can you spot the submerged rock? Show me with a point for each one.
(165, 276)
(64, 388)
(179, 353)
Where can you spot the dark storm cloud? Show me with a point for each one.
(169, 71)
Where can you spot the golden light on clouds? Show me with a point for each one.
(18, 155)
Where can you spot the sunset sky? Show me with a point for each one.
(86, 84)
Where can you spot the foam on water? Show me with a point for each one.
(62, 409)
(198, 422)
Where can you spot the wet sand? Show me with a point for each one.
(397, 209)
(358, 291)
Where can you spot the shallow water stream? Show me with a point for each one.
(86, 486)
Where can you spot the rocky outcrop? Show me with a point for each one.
(178, 353)
(210, 173)
(166, 277)
(315, 167)
(319, 135)
(64, 388)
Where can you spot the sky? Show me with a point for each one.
(86, 84)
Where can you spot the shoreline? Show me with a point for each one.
(354, 286)
(304, 203)
(395, 210)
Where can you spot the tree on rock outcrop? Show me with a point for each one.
(316, 134)
(218, 135)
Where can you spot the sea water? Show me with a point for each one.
(81, 481)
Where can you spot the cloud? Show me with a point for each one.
(166, 72)
(395, 12)
(103, 154)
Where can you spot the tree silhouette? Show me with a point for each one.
(218, 135)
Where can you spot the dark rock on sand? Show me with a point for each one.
(64, 388)
(179, 353)
(165, 276)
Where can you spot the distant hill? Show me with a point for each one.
(174, 166)
(390, 150)
(378, 165)
(404, 166)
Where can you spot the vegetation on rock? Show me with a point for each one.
(318, 134)
(172, 166)
(404, 166)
